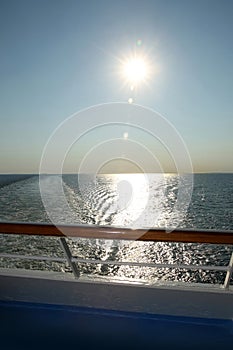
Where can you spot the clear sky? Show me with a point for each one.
(60, 56)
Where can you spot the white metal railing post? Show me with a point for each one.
(69, 257)
(229, 273)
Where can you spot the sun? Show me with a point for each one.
(135, 70)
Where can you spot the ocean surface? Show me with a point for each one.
(133, 200)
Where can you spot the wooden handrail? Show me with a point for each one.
(106, 232)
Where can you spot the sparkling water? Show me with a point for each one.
(120, 200)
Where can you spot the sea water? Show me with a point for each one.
(120, 200)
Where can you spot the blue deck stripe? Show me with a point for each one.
(29, 325)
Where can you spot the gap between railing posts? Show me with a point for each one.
(185, 236)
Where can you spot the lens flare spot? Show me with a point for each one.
(130, 100)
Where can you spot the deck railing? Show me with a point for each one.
(113, 233)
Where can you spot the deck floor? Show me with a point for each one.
(40, 326)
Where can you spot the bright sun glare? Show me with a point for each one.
(135, 70)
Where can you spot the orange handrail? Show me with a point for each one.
(106, 232)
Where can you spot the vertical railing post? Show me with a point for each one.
(68, 255)
(229, 273)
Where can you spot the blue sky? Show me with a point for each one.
(59, 57)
